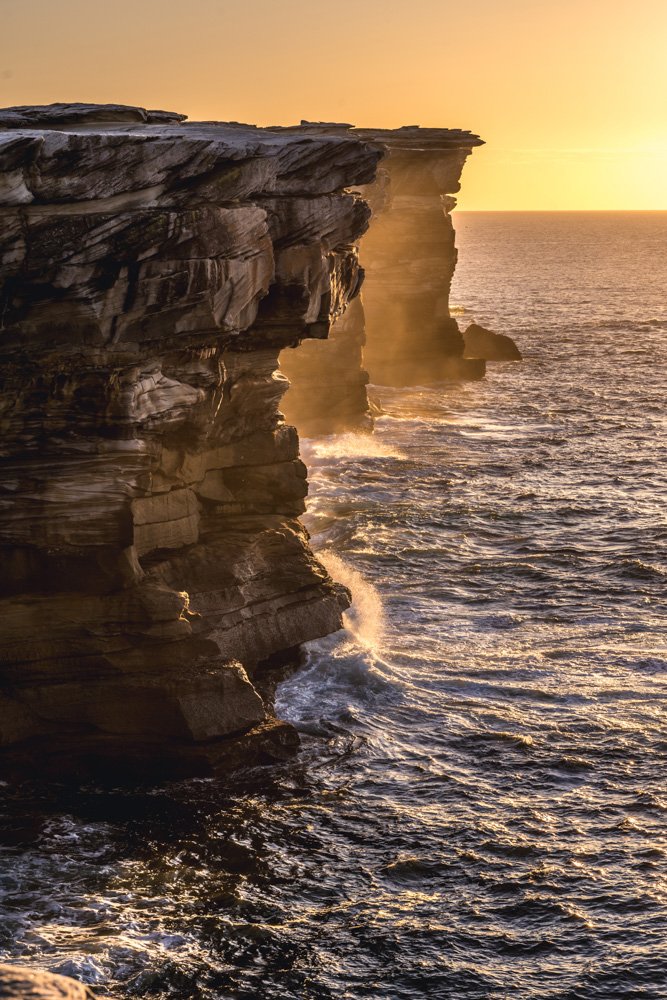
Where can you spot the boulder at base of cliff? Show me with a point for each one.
(482, 343)
(28, 984)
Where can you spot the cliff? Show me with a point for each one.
(400, 331)
(151, 270)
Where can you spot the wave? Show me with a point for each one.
(346, 671)
(317, 450)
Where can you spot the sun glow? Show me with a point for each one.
(569, 96)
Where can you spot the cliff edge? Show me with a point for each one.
(151, 270)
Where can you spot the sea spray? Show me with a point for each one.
(344, 668)
(347, 446)
(365, 619)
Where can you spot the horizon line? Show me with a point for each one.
(560, 211)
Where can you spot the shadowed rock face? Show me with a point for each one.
(150, 272)
(402, 332)
(483, 343)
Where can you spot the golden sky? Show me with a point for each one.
(570, 95)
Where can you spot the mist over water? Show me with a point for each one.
(480, 807)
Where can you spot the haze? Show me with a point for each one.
(569, 95)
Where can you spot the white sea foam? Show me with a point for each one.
(365, 620)
(345, 669)
(348, 446)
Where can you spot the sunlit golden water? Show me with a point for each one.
(480, 807)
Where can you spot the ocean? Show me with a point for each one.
(479, 811)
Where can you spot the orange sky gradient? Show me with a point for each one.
(570, 95)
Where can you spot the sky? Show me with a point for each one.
(570, 95)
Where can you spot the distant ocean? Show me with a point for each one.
(480, 809)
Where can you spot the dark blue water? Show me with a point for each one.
(480, 808)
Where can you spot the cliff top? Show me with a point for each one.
(64, 153)
(405, 137)
(126, 118)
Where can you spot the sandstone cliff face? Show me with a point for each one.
(150, 272)
(403, 319)
(327, 379)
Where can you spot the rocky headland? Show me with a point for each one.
(400, 330)
(152, 270)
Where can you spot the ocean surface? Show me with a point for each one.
(480, 808)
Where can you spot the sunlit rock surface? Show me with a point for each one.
(401, 332)
(327, 393)
(483, 343)
(17, 983)
(151, 271)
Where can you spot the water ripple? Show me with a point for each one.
(479, 809)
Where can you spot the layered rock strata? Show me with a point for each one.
(409, 256)
(150, 272)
